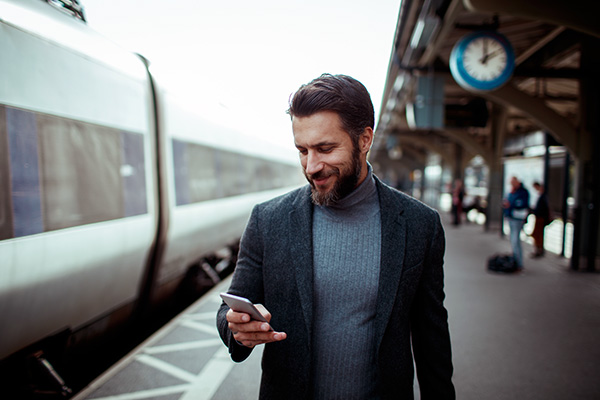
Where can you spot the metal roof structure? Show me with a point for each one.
(552, 88)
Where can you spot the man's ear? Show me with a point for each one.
(366, 140)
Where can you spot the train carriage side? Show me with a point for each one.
(77, 202)
(103, 212)
(216, 175)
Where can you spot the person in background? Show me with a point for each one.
(516, 210)
(542, 218)
(349, 271)
(458, 196)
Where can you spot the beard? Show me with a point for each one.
(344, 185)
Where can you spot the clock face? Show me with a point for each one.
(482, 61)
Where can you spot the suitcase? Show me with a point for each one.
(502, 263)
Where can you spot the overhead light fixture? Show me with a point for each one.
(410, 116)
(425, 30)
(399, 82)
(391, 104)
(417, 33)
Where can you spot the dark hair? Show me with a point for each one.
(339, 93)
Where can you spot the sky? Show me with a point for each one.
(241, 60)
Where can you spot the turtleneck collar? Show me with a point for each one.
(359, 202)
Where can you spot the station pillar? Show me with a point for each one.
(585, 245)
(494, 218)
(458, 170)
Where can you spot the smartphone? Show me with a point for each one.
(242, 304)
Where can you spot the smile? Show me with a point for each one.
(321, 181)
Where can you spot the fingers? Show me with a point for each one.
(237, 317)
(249, 332)
(239, 321)
(252, 327)
(253, 332)
(254, 339)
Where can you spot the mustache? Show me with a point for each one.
(324, 174)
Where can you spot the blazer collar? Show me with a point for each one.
(393, 246)
(302, 250)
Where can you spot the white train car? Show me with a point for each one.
(218, 176)
(78, 205)
(110, 191)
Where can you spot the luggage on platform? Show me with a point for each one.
(502, 263)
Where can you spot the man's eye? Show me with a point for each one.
(325, 149)
(303, 151)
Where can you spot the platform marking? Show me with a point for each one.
(211, 315)
(199, 387)
(202, 387)
(211, 377)
(145, 394)
(197, 344)
(166, 367)
(199, 326)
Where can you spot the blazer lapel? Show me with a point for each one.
(302, 251)
(393, 244)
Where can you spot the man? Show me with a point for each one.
(516, 210)
(349, 269)
(542, 218)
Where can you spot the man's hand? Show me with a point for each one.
(250, 332)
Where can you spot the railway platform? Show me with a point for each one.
(531, 335)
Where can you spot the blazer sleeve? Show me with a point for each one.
(247, 282)
(429, 325)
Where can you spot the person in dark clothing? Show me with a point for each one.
(458, 196)
(516, 210)
(349, 269)
(542, 218)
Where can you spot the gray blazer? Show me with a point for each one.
(275, 268)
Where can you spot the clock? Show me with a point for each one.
(482, 61)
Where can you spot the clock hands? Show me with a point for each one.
(487, 56)
(485, 51)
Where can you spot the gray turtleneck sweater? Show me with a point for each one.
(347, 244)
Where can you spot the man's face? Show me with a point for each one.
(331, 163)
(514, 183)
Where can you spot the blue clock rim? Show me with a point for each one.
(459, 71)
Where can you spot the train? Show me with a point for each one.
(111, 188)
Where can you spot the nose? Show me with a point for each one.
(313, 163)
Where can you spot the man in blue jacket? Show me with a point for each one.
(349, 269)
(516, 210)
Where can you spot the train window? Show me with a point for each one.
(24, 170)
(249, 172)
(245, 175)
(6, 223)
(230, 171)
(180, 166)
(81, 176)
(195, 177)
(265, 174)
(133, 174)
(203, 173)
(64, 173)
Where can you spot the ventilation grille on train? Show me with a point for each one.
(71, 7)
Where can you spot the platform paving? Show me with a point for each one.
(531, 335)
